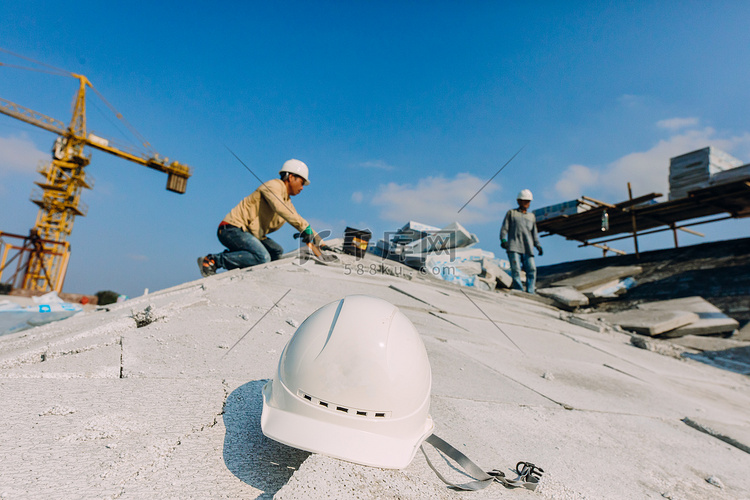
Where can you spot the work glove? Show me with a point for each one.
(504, 244)
(539, 249)
(307, 235)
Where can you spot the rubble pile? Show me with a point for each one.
(449, 253)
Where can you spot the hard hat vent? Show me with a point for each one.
(336, 408)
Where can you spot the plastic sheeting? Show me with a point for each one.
(48, 308)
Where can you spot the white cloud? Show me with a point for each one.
(647, 171)
(19, 155)
(378, 164)
(575, 180)
(357, 197)
(674, 124)
(437, 201)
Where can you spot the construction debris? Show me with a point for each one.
(711, 320)
(706, 344)
(603, 276)
(414, 242)
(662, 347)
(593, 325)
(743, 333)
(567, 296)
(648, 322)
(687, 318)
(492, 271)
(448, 253)
(611, 289)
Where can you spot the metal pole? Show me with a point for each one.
(635, 228)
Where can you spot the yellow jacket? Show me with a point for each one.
(265, 211)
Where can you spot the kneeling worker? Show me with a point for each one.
(244, 231)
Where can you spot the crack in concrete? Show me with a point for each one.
(714, 433)
(163, 460)
(579, 341)
(560, 403)
(41, 355)
(122, 353)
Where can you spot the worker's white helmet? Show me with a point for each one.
(296, 167)
(352, 383)
(525, 194)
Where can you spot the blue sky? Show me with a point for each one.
(402, 110)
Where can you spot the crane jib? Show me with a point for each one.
(43, 256)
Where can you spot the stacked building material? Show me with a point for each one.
(607, 282)
(694, 170)
(566, 208)
(394, 242)
(731, 175)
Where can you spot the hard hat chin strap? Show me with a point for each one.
(528, 473)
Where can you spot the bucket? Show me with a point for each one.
(356, 241)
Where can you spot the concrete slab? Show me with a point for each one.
(647, 322)
(743, 333)
(595, 325)
(494, 271)
(565, 295)
(619, 387)
(703, 343)
(580, 442)
(609, 289)
(183, 422)
(599, 277)
(452, 367)
(93, 437)
(711, 319)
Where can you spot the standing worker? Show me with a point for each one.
(244, 231)
(518, 235)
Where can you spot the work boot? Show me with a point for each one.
(207, 265)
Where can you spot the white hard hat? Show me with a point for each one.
(352, 383)
(296, 167)
(525, 194)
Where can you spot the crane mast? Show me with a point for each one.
(43, 256)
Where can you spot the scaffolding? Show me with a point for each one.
(606, 222)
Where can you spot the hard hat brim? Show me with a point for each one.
(327, 438)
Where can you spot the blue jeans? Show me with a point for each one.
(244, 249)
(527, 261)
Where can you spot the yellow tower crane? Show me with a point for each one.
(41, 260)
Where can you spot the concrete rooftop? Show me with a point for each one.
(96, 407)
